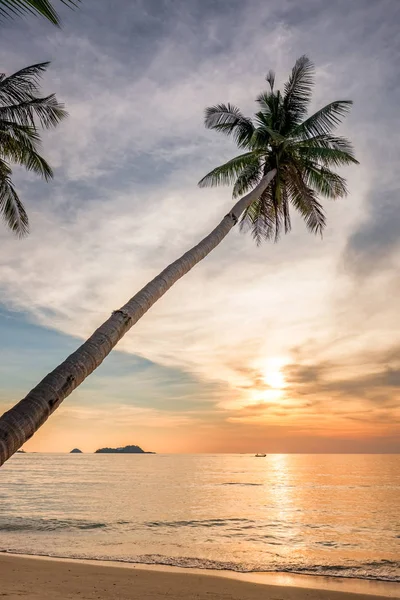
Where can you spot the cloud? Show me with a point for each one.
(375, 242)
(122, 415)
(380, 387)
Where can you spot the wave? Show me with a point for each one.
(52, 524)
(199, 523)
(355, 571)
(27, 524)
(241, 483)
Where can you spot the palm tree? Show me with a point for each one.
(21, 110)
(44, 8)
(287, 162)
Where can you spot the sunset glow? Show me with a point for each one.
(267, 395)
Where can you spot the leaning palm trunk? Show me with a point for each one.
(20, 423)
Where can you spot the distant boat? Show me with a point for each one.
(261, 455)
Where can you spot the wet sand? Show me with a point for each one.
(49, 579)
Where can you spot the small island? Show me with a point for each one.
(124, 450)
(76, 451)
(21, 452)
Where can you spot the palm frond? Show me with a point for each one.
(266, 131)
(260, 218)
(11, 207)
(324, 181)
(304, 200)
(47, 110)
(269, 104)
(22, 85)
(285, 210)
(298, 91)
(270, 78)
(22, 112)
(227, 173)
(260, 139)
(328, 148)
(276, 193)
(327, 156)
(19, 144)
(44, 8)
(228, 119)
(269, 213)
(248, 178)
(324, 120)
(271, 113)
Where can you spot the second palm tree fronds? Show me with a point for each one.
(288, 161)
(44, 8)
(22, 112)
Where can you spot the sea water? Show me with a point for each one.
(336, 515)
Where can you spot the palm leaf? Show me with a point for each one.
(262, 218)
(228, 119)
(270, 78)
(298, 91)
(304, 200)
(324, 120)
(266, 130)
(328, 148)
(11, 208)
(44, 8)
(261, 139)
(21, 114)
(227, 173)
(324, 181)
(285, 210)
(248, 178)
(277, 196)
(18, 101)
(271, 108)
(22, 85)
(259, 218)
(48, 111)
(19, 144)
(327, 156)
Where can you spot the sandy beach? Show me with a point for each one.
(41, 579)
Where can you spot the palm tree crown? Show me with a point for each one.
(302, 150)
(21, 111)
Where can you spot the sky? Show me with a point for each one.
(287, 347)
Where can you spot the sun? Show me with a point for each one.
(272, 375)
(271, 383)
(274, 379)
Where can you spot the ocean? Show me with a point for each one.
(336, 515)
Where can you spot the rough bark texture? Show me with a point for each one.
(20, 422)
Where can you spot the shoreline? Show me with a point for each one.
(292, 586)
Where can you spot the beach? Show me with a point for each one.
(44, 579)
